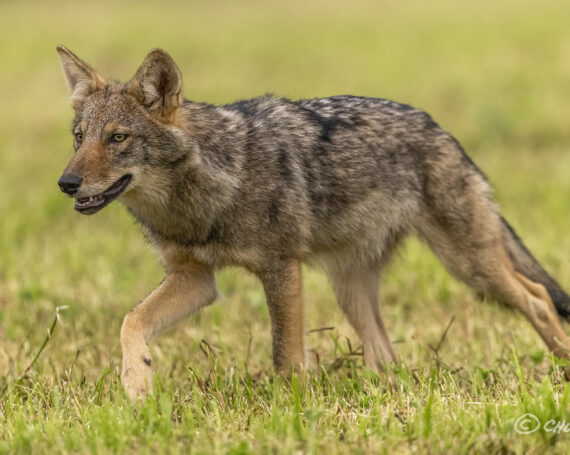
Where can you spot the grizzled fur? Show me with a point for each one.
(267, 183)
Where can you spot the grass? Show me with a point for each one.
(494, 73)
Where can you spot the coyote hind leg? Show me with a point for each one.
(463, 227)
(479, 259)
(540, 311)
(357, 294)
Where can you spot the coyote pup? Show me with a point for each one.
(268, 183)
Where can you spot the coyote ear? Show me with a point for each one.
(82, 80)
(157, 84)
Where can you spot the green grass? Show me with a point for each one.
(494, 73)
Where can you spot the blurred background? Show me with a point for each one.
(496, 74)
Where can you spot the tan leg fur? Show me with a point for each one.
(187, 287)
(357, 294)
(283, 289)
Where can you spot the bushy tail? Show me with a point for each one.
(527, 265)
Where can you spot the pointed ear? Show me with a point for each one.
(81, 79)
(157, 84)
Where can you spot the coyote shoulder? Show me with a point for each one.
(269, 183)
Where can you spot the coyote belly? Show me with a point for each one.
(269, 183)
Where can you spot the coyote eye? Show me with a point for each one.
(118, 137)
(79, 136)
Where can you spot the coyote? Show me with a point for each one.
(269, 183)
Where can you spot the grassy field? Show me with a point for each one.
(495, 73)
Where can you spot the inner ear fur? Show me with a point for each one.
(81, 78)
(157, 85)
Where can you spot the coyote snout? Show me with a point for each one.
(69, 183)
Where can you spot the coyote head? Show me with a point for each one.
(121, 130)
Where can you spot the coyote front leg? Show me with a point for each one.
(283, 288)
(186, 288)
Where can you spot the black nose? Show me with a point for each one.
(69, 183)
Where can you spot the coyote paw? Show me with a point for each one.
(375, 358)
(136, 377)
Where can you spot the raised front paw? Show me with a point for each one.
(137, 377)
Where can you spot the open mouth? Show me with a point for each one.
(92, 204)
